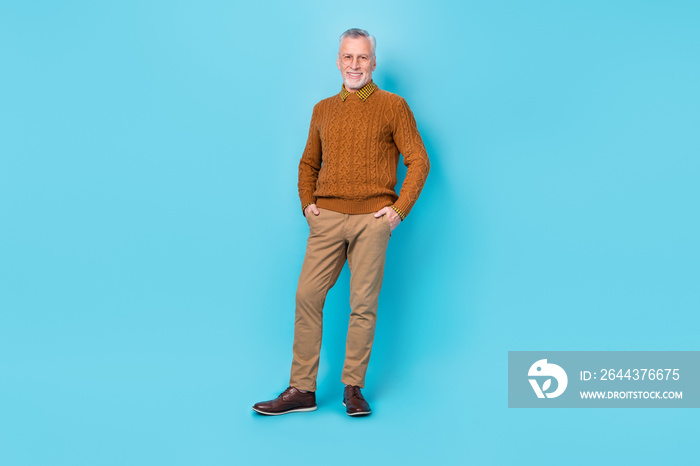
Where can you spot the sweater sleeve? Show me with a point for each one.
(415, 158)
(310, 163)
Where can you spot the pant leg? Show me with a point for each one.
(368, 241)
(326, 251)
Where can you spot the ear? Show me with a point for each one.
(337, 61)
(374, 63)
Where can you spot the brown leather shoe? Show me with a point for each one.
(290, 401)
(355, 404)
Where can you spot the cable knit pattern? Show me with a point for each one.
(352, 153)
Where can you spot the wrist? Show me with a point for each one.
(398, 211)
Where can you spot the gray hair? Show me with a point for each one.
(354, 33)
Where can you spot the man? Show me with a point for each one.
(347, 176)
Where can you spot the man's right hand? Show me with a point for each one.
(311, 208)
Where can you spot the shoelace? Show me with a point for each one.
(290, 389)
(356, 392)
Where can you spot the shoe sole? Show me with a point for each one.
(296, 410)
(361, 413)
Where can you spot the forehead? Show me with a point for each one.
(356, 45)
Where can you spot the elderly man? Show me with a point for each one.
(347, 176)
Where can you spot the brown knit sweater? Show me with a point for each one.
(352, 153)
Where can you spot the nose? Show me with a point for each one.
(355, 62)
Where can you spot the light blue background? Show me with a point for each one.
(151, 237)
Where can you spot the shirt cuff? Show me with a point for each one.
(398, 211)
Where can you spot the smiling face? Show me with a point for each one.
(356, 62)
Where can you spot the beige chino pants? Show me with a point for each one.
(362, 239)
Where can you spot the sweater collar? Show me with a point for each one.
(362, 93)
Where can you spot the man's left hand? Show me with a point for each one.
(394, 218)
